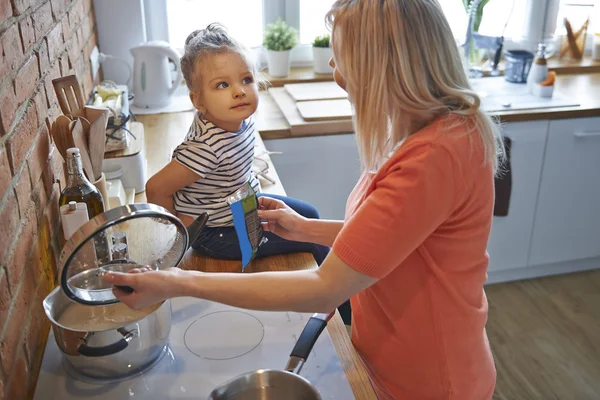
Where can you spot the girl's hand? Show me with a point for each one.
(280, 219)
(149, 287)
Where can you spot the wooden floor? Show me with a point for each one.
(545, 336)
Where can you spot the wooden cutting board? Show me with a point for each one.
(300, 127)
(315, 91)
(325, 110)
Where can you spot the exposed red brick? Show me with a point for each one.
(54, 111)
(21, 140)
(9, 221)
(40, 199)
(27, 33)
(8, 107)
(5, 174)
(73, 49)
(65, 64)
(4, 299)
(89, 46)
(5, 10)
(50, 93)
(43, 58)
(31, 338)
(80, 68)
(68, 29)
(49, 173)
(23, 191)
(22, 247)
(41, 103)
(20, 6)
(59, 7)
(77, 12)
(55, 42)
(82, 40)
(42, 20)
(11, 51)
(16, 319)
(1, 389)
(39, 157)
(27, 78)
(87, 83)
(18, 384)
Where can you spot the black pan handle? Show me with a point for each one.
(126, 289)
(305, 343)
(110, 349)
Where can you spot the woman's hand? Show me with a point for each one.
(280, 219)
(149, 287)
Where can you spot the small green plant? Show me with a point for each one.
(322, 41)
(279, 36)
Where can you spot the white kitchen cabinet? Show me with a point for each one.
(321, 170)
(567, 220)
(510, 238)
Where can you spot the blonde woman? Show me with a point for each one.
(411, 252)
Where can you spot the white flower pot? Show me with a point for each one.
(321, 57)
(278, 63)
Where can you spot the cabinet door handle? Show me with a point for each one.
(582, 135)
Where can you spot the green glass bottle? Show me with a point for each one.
(79, 188)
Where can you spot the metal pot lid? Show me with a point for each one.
(118, 240)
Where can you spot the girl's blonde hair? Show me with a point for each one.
(403, 69)
(214, 39)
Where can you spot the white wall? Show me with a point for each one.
(321, 170)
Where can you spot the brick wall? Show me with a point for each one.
(39, 40)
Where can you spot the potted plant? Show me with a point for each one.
(279, 40)
(322, 53)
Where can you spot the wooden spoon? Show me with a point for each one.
(81, 144)
(61, 133)
(97, 139)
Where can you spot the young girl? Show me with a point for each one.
(411, 252)
(215, 159)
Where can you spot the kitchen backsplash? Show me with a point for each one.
(39, 40)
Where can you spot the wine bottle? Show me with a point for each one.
(81, 190)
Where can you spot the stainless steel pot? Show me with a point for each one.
(109, 354)
(268, 384)
(102, 339)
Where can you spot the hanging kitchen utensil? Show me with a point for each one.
(81, 143)
(61, 133)
(136, 235)
(97, 138)
(268, 384)
(68, 93)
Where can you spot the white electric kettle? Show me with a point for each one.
(152, 82)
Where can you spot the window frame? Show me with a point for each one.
(301, 55)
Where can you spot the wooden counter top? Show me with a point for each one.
(163, 132)
(583, 87)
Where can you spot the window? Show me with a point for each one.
(527, 21)
(312, 19)
(577, 12)
(245, 24)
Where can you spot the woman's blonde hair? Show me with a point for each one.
(403, 69)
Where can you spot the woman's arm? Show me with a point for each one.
(321, 231)
(161, 187)
(316, 290)
(286, 223)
